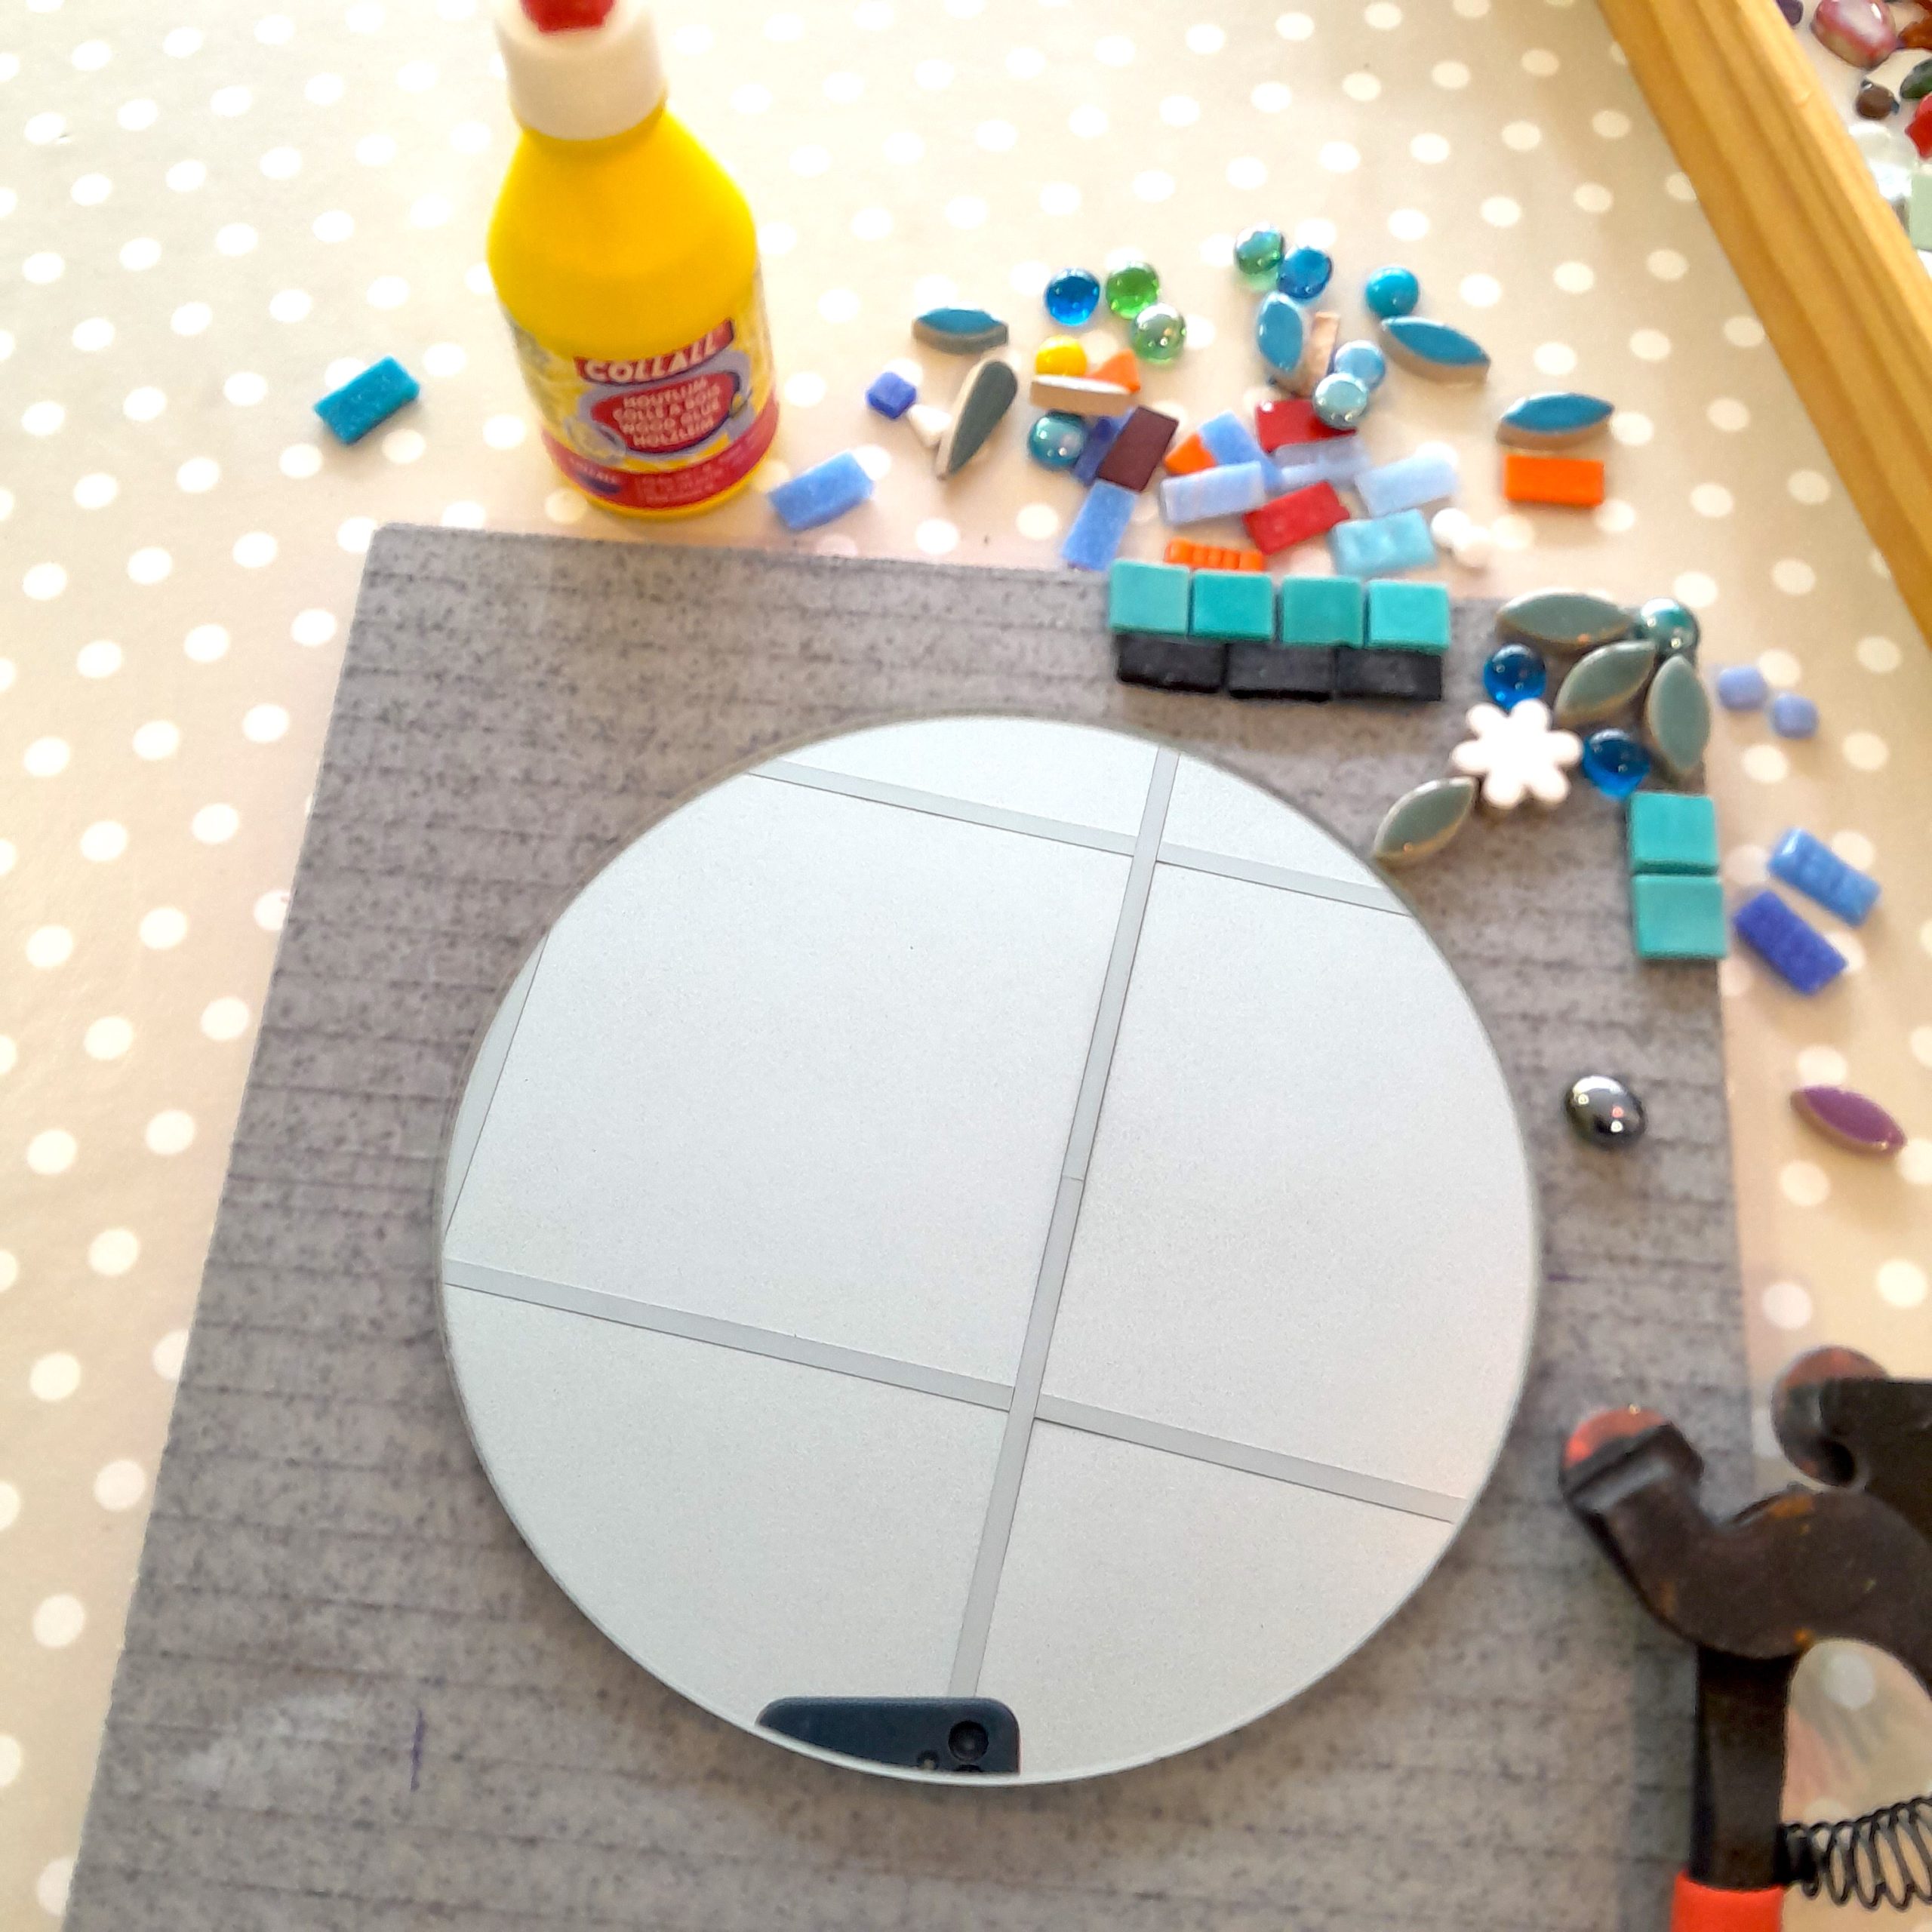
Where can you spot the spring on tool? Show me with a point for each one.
(1884, 1858)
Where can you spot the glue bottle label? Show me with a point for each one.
(659, 433)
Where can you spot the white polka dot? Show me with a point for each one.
(313, 627)
(1780, 668)
(470, 137)
(1711, 500)
(996, 137)
(1902, 1284)
(57, 1622)
(1087, 121)
(1865, 751)
(1500, 211)
(1152, 184)
(1593, 198)
(141, 252)
(169, 1132)
(1574, 277)
(1293, 26)
(54, 1377)
(445, 358)
(104, 841)
(215, 825)
(255, 550)
(1804, 1184)
(335, 225)
(1794, 576)
(416, 76)
(43, 130)
(1879, 654)
(353, 533)
(1554, 358)
(805, 390)
(1667, 265)
(1650, 345)
(937, 538)
(1678, 188)
(962, 211)
(1361, 87)
(1915, 1163)
(43, 419)
(1734, 977)
(1408, 224)
(1271, 98)
(1337, 158)
(1038, 521)
(1204, 38)
(1114, 50)
(282, 163)
(1383, 15)
(932, 76)
(694, 38)
(101, 659)
(1766, 763)
(46, 758)
(464, 514)
(97, 333)
(1026, 63)
(149, 564)
(1541, 62)
(1611, 124)
(1059, 198)
(1745, 865)
(50, 1887)
(1449, 74)
(1481, 291)
(42, 582)
(299, 460)
(270, 910)
(91, 55)
(407, 445)
(51, 1151)
(185, 177)
(1785, 1304)
(164, 928)
(1522, 136)
(1631, 428)
(1430, 149)
(137, 115)
(169, 1354)
(1695, 589)
(199, 474)
(1613, 516)
(206, 643)
(108, 1038)
(387, 291)
(237, 238)
(113, 1251)
(1744, 332)
(120, 1485)
(226, 1018)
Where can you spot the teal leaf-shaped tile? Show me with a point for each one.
(1602, 684)
(1420, 823)
(1677, 715)
(1564, 620)
(960, 331)
(1553, 420)
(1435, 350)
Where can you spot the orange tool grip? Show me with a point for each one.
(1696, 1908)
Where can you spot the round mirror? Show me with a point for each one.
(987, 1249)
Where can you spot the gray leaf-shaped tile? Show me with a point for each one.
(1564, 620)
(1602, 684)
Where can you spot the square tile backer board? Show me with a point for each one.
(351, 1698)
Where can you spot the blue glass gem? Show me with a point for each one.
(1055, 441)
(1304, 274)
(1340, 402)
(1363, 360)
(1514, 673)
(1670, 626)
(1071, 296)
(1615, 762)
(1742, 688)
(1392, 292)
(1279, 334)
(1793, 716)
(1258, 254)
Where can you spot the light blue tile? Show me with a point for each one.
(1381, 545)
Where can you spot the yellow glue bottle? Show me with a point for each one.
(625, 259)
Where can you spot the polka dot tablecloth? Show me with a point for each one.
(209, 215)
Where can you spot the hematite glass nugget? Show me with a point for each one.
(1170, 664)
(1604, 1111)
(1071, 296)
(1415, 675)
(1278, 670)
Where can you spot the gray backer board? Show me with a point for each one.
(350, 1698)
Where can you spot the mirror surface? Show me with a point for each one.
(987, 1209)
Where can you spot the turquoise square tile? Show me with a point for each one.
(1320, 610)
(1677, 915)
(1233, 604)
(1408, 617)
(1151, 598)
(1672, 832)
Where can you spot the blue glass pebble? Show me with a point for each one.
(1742, 688)
(1793, 716)
(1304, 274)
(1514, 673)
(1363, 360)
(1101, 431)
(1808, 865)
(1071, 296)
(352, 411)
(1615, 762)
(1279, 334)
(1669, 626)
(1056, 440)
(1789, 944)
(1093, 541)
(1391, 291)
(1340, 402)
(891, 396)
(817, 495)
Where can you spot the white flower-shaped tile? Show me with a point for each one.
(1517, 756)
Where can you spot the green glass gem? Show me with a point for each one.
(1421, 822)
(1677, 715)
(1915, 86)
(1563, 619)
(1158, 332)
(1258, 253)
(1131, 287)
(1605, 682)
(1668, 627)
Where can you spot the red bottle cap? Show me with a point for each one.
(561, 16)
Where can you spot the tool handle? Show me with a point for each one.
(1699, 1908)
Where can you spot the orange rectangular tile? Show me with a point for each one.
(1188, 455)
(1576, 482)
(1250, 560)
